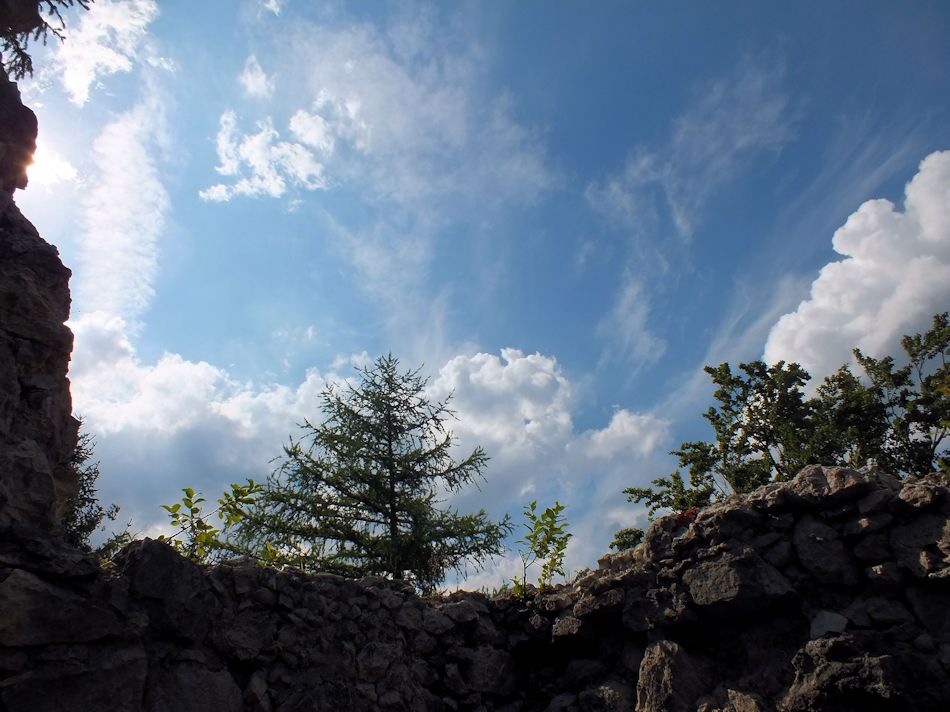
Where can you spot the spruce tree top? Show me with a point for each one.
(360, 493)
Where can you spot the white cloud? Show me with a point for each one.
(255, 81)
(894, 276)
(273, 6)
(400, 117)
(262, 164)
(626, 330)
(736, 120)
(112, 390)
(107, 40)
(515, 405)
(639, 433)
(313, 130)
(519, 408)
(411, 114)
(123, 215)
(177, 423)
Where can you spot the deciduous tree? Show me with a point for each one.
(766, 430)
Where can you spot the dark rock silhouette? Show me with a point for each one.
(37, 432)
(18, 129)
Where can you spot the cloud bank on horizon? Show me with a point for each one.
(440, 207)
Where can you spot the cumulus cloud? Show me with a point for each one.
(254, 80)
(520, 409)
(738, 118)
(261, 164)
(894, 275)
(176, 423)
(637, 433)
(123, 215)
(273, 6)
(515, 405)
(106, 40)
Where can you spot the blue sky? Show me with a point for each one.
(562, 211)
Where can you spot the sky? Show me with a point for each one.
(560, 212)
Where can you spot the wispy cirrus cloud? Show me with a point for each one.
(737, 119)
(663, 191)
(107, 39)
(625, 329)
(411, 115)
(274, 6)
(124, 214)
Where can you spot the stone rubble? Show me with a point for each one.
(704, 616)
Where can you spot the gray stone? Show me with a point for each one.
(605, 603)
(461, 612)
(37, 430)
(374, 660)
(919, 495)
(669, 679)
(736, 585)
(829, 485)
(185, 687)
(566, 626)
(827, 622)
(821, 551)
(489, 670)
(36, 613)
(612, 696)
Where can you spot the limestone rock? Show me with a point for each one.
(669, 679)
(820, 550)
(731, 585)
(827, 622)
(36, 613)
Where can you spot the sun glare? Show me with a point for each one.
(49, 168)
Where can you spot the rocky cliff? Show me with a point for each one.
(830, 592)
(37, 431)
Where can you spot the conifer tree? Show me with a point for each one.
(84, 513)
(24, 22)
(360, 493)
